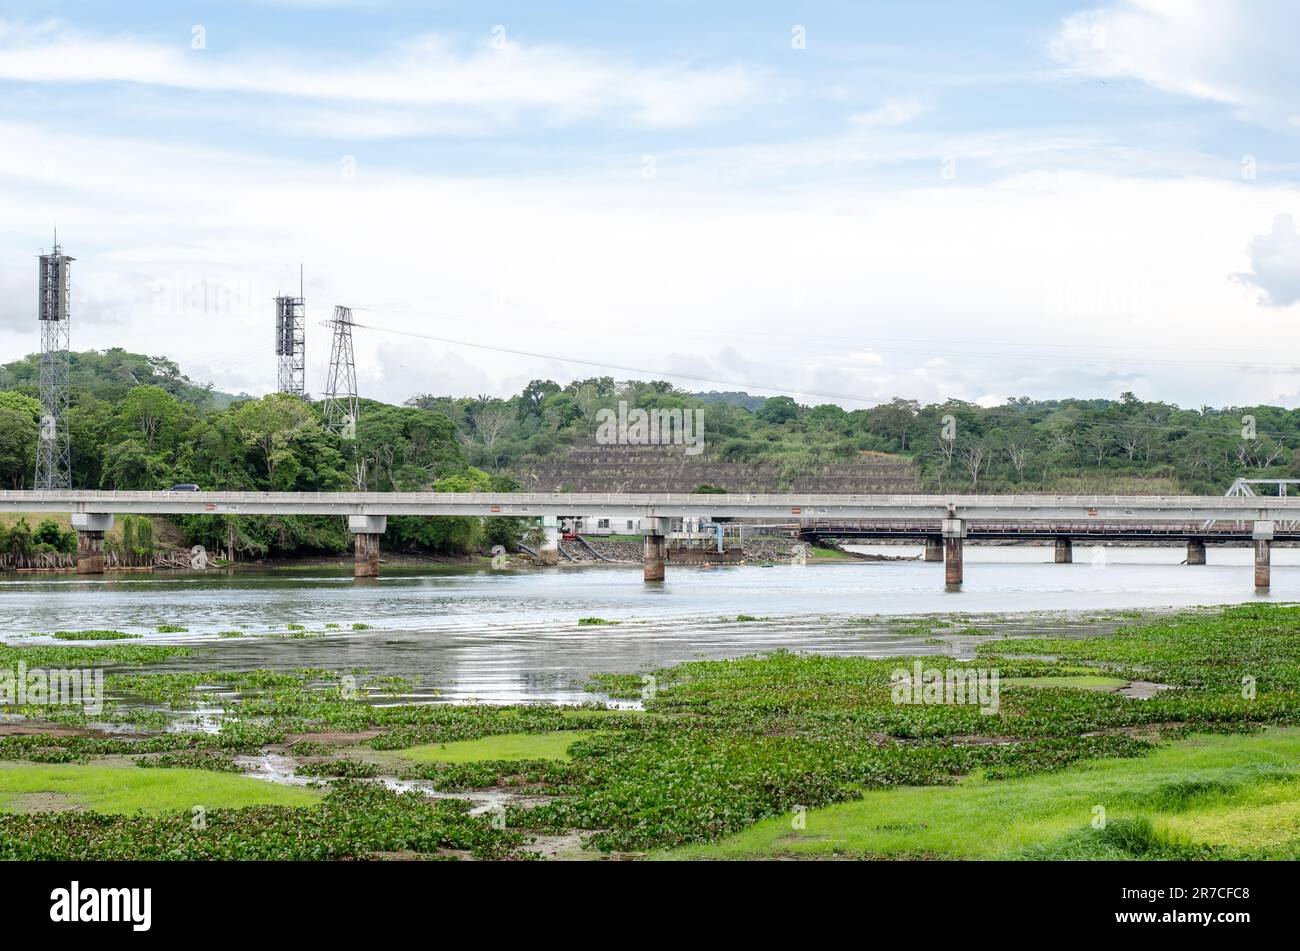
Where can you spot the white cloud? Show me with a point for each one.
(1044, 284)
(892, 112)
(1275, 264)
(425, 71)
(1238, 54)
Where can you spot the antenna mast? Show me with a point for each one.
(291, 342)
(53, 445)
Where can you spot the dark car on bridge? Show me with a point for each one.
(184, 487)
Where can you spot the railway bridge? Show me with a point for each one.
(1063, 533)
(943, 520)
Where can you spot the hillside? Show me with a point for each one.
(596, 468)
(109, 374)
(548, 436)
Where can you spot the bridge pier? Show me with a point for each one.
(366, 530)
(1262, 533)
(549, 553)
(1196, 551)
(934, 548)
(656, 548)
(954, 530)
(1064, 550)
(90, 542)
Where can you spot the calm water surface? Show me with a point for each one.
(506, 636)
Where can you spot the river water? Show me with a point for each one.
(513, 635)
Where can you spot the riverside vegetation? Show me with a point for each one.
(781, 754)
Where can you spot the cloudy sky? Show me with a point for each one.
(845, 202)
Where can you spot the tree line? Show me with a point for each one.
(138, 423)
(150, 436)
(1023, 445)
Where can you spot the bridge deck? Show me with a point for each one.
(1083, 508)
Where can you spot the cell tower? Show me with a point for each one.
(340, 407)
(53, 452)
(291, 342)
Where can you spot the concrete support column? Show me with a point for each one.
(90, 542)
(1263, 535)
(1064, 550)
(656, 548)
(934, 548)
(549, 553)
(1196, 551)
(954, 530)
(366, 530)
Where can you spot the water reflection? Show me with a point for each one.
(504, 636)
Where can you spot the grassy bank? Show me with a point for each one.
(1230, 796)
(1183, 731)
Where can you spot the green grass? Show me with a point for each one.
(830, 554)
(1233, 793)
(1078, 682)
(507, 746)
(125, 790)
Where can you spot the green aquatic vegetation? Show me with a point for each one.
(355, 820)
(231, 634)
(1191, 650)
(171, 629)
(342, 768)
(593, 621)
(617, 686)
(84, 655)
(233, 738)
(331, 627)
(294, 627)
(216, 760)
(390, 686)
(358, 626)
(77, 715)
(743, 618)
(556, 776)
(727, 744)
(93, 636)
(311, 748)
(678, 782)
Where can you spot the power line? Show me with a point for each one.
(1140, 426)
(874, 344)
(660, 374)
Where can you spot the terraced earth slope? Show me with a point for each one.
(594, 468)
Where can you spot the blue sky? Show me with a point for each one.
(843, 201)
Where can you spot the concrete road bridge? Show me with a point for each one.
(947, 519)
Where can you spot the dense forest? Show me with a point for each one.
(139, 423)
(1024, 445)
(153, 435)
